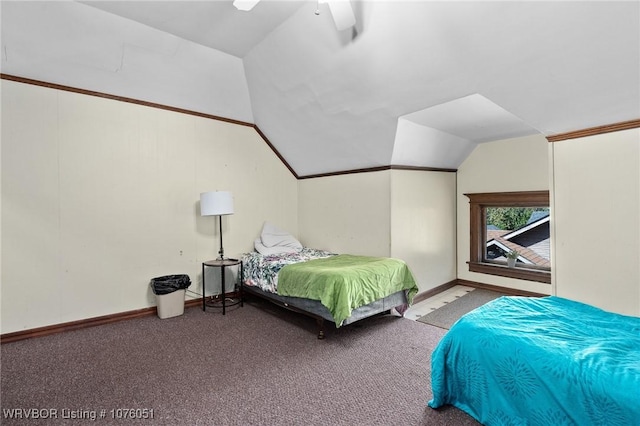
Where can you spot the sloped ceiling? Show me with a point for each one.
(415, 82)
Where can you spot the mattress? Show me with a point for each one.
(540, 361)
(341, 283)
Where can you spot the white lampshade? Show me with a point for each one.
(216, 203)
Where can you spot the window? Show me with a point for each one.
(504, 222)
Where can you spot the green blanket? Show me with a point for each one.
(345, 282)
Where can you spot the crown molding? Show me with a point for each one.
(592, 131)
(119, 98)
(378, 169)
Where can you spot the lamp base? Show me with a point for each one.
(231, 259)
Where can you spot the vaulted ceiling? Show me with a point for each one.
(413, 83)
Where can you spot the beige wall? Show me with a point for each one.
(596, 195)
(423, 224)
(347, 213)
(99, 196)
(520, 164)
(405, 214)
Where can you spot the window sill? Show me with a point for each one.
(505, 271)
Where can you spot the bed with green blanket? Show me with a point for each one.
(340, 288)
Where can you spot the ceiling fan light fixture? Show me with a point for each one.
(342, 13)
(245, 5)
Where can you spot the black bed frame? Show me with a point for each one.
(319, 312)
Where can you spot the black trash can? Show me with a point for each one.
(169, 291)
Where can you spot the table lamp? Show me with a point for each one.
(217, 203)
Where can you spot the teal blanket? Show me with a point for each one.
(540, 361)
(345, 282)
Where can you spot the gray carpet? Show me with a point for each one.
(447, 315)
(257, 365)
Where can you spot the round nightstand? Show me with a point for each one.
(222, 264)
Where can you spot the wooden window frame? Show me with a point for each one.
(478, 203)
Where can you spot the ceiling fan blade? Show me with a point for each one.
(245, 5)
(342, 13)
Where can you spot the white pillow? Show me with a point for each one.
(272, 236)
(267, 251)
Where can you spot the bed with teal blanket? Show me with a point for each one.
(340, 288)
(540, 361)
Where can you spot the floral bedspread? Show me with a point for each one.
(262, 271)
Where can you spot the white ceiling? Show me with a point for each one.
(215, 24)
(413, 81)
